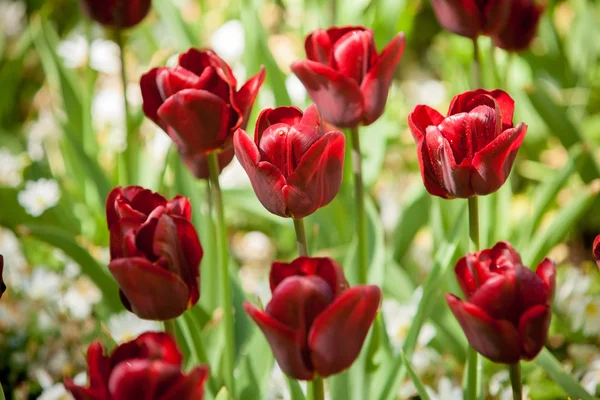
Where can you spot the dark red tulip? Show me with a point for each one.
(507, 310)
(197, 103)
(295, 166)
(2, 285)
(521, 26)
(596, 250)
(471, 151)
(148, 367)
(155, 252)
(345, 76)
(117, 13)
(471, 18)
(314, 323)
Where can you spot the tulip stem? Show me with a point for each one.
(170, 328)
(472, 356)
(359, 194)
(515, 381)
(316, 389)
(301, 237)
(474, 221)
(476, 65)
(213, 166)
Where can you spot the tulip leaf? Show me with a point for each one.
(554, 369)
(255, 367)
(181, 31)
(415, 379)
(415, 215)
(295, 389)
(223, 394)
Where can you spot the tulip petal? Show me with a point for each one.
(338, 333)
(198, 163)
(521, 26)
(467, 101)
(152, 99)
(245, 97)
(319, 47)
(152, 291)
(376, 84)
(283, 342)
(196, 61)
(200, 120)
(458, 16)
(533, 326)
(338, 98)
(267, 181)
(496, 340)
(464, 274)
(493, 163)
(495, 14)
(99, 368)
(317, 178)
(2, 285)
(142, 379)
(323, 267)
(498, 297)
(596, 250)
(288, 115)
(190, 387)
(351, 54)
(180, 206)
(546, 270)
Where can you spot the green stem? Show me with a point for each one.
(359, 194)
(213, 165)
(170, 328)
(515, 381)
(507, 71)
(472, 356)
(476, 65)
(494, 67)
(301, 237)
(333, 11)
(131, 153)
(316, 389)
(474, 221)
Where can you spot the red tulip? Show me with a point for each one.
(472, 150)
(314, 323)
(345, 76)
(294, 165)
(117, 13)
(596, 250)
(519, 30)
(2, 285)
(155, 252)
(507, 310)
(197, 104)
(148, 367)
(471, 18)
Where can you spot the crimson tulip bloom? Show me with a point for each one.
(596, 250)
(507, 310)
(155, 252)
(117, 13)
(314, 323)
(521, 26)
(2, 285)
(471, 18)
(198, 106)
(471, 151)
(345, 76)
(148, 367)
(295, 167)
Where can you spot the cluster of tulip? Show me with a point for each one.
(295, 165)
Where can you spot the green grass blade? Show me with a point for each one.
(553, 368)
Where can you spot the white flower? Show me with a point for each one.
(278, 388)
(255, 247)
(255, 283)
(426, 91)
(38, 196)
(295, 89)
(446, 390)
(81, 297)
(158, 146)
(572, 299)
(591, 379)
(55, 392)
(43, 128)
(14, 261)
(43, 284)
(229, 40)
(11, 168)
(591, 319)
(105, 56)
(109, 118)
(126, 326)
(12, 16)
(74, 51)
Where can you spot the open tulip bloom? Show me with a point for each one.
(470, 151)
(507, 310)
(314, 323)
(155, 252)
(471, 18)
(148, 367)
(294, 164)
(521, 25)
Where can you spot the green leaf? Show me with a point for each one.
(415, 215)
(415, 379)
(295, 389)
(554, 369)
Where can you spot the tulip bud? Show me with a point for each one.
(148, 367)
(314, 323)
(117, 13)
(198, 106)
(344, 75)
(521, 26)
(596, 250)
(2, 285)
(155, 252)
(507, 311)
(471, 18)
(472, 150)
(294, 165)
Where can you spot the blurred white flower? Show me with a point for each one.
(591, 318)
(571, 297)
(74, 51)
(72, 269)
(428, 91)
(295, 89)
(38, 196)
(158, 146)
(234, 176)
(229, 40)
(105, 56)
(42, 377)
(108, 117)
(12, 17)
(14, 261)
(278, 388)
(43, 284)
(126, 326)
(58, 361)
(134, 95)
(80, 298)
(591, 379)
(43, 128)
(446, 390)
(266, 98)
(507, 393)
(55, 392)
(498, 381)
(11, 168)
(255, 247)
(255, 283)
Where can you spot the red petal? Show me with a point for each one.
(495, 15)
(462, 17)
(151, 96)
(197, 60)
(198, 163)
(463, 271)
(507, 107)
(171, 81)
(352, 53)
(496, 340)
(546, 270)
(519, 32)
(325, 268)
(2, 285)
(376, 84)
(155, 345)
(499, 298)
(190, 387)
(338, 98)
(245, 97)
(319, 47)
(533, 328)
(338, 333)
(596, 250)
(467, 101)
(142, 379)
(99, 369)
(180, 206)
(288, 115)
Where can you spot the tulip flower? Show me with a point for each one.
(314, 323)
(596, 250)
(471, 18)
(345, 76)
(507, 310)
(148, 367)
(117, 13)
(521, 26)
(155, 252)
(471, 151)
(2, 285)
(198, 106)
(294, 165)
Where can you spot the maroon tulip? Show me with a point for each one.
(148, 367)
(117, 13)
(521, 26)
(596, 250)
(472, 150)
(294, 165)
(507, 310)
(471, 18)
(345, 76)
(2, 285)
(314, 323)
(155, 252)
(197, 104)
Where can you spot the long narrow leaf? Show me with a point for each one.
(554, 369)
